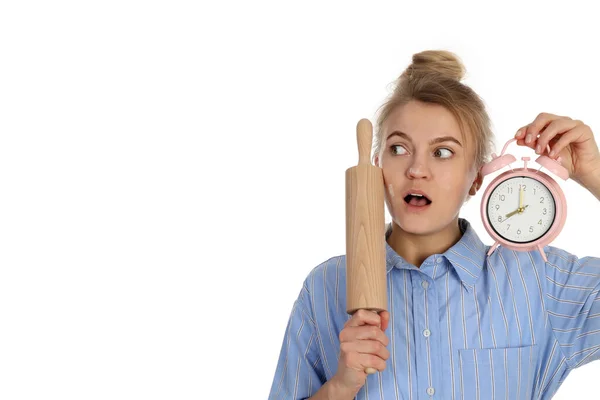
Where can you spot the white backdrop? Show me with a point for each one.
(171, 171)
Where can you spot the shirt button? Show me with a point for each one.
(430, 391)
(425, 284)
(426, 333)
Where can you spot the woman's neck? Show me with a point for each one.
(416, 248)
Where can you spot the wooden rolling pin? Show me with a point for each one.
(365, 231)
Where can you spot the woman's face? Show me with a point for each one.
(424, 153)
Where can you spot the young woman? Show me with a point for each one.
(461, 324)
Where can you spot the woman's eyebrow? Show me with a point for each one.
(445, 139)
(433, 141)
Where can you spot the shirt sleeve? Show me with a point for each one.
(573, 305)
(299, 374)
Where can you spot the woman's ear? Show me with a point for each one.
(476, 184)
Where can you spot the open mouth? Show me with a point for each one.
(417, 200)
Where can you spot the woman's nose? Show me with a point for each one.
(417, 170)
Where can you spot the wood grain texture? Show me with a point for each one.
(365, 230)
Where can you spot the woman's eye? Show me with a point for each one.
(397, 149)
(443, 153)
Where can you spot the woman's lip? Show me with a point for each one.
(416, 191)
(412, 208)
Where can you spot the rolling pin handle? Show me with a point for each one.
(364, 133)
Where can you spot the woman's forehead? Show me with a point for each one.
(421, 121)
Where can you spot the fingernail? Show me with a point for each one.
(518, 133)
(528, 139)
(538, 149)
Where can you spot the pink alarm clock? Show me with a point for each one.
(523, 209)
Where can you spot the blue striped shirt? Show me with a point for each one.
(462, 326)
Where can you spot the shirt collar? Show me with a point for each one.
(467, 256)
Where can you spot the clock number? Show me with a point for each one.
(499, 218)
(540, 222)
(524, 187)
(510, 190)
(533, 190)
(545, 211)
(518, 231)
(531, 229)
(497, 206)
(508, 227)
(541, 199)
(502, 197)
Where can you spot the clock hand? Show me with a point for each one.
(521, 198)
(510, 214)
(517, 211)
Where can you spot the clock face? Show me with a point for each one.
(521, 209)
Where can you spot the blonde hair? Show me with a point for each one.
(434, 77)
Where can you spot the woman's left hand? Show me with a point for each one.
(569, 139)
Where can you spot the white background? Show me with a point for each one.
(171, 171)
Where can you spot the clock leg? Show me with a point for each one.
(541, 249)
(493, 248)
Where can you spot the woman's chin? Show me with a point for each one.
(414, 224)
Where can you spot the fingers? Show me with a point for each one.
(364, 317)
(569, 137)
(385, 320)
(521, 142)
(366, 347)
(364, 355)
(521, 136)
(545, 131)
(363, 347)
(538, 125)
(373, 333)
(363, 362)
(559, 126)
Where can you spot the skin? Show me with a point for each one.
(444, 170)
(446, 179)
(363, 344)
(569, 140)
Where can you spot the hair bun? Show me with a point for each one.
(440, 62)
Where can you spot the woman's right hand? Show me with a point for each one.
(362, 345)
